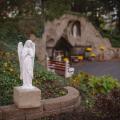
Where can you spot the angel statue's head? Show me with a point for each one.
(28, 43)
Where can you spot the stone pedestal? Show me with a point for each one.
(27, 98)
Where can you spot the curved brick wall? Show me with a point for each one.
(49, 107)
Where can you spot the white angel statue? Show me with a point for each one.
(26, 56)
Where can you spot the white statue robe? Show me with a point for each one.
(27, 67)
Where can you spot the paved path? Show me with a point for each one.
(100, 68)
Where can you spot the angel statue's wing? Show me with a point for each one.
(33, 47)
(33, 50)
(20, 48)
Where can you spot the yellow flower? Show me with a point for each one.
(93, 55)
(89, 49)
(80, 57)
(102, 47)
(66, 59)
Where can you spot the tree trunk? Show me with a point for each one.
(40, 49)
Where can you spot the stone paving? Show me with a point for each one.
(100, 68)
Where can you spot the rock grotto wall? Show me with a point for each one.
(87, 36)
(78, 32)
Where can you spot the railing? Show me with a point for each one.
(61, 68)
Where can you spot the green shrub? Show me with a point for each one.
(9, 76)
(9, 35)
(103, 84)
(94, 85)
(113, 36)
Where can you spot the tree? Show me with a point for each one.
(94, 9)
(113, 6)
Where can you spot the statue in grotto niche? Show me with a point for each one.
(75, 31)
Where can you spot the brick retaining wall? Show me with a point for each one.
(49, 107)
